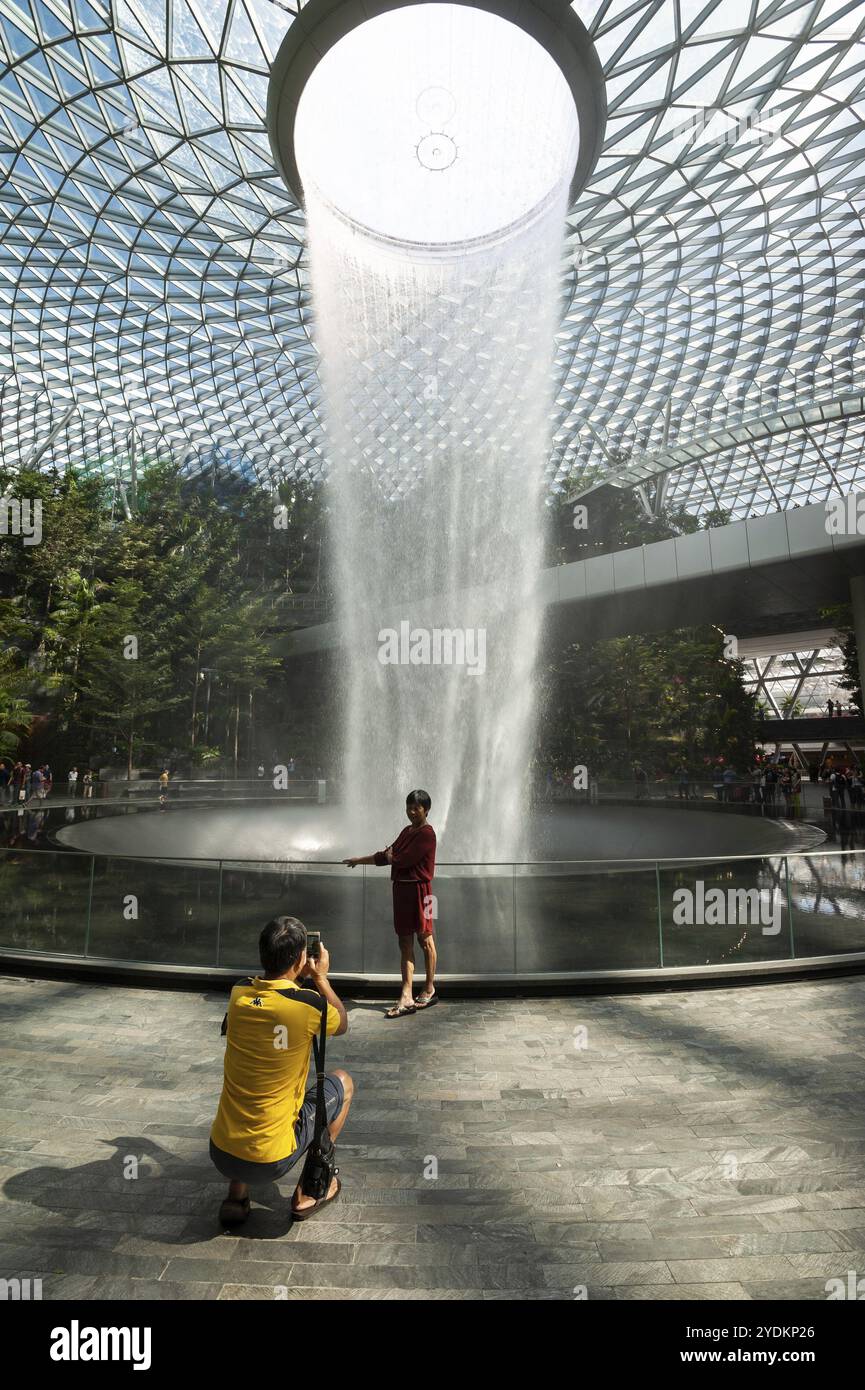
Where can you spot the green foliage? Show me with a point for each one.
(15, 713)
(615, 520)
(662, 700)
(198, 574)
(195, 573)
(203, 756)
(841, 618)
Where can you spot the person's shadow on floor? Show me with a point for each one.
(141, 1166)
(369, 1006)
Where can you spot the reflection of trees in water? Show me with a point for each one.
(762, 875)
(43, 909)
(769, 875)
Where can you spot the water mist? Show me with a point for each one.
(436, 145)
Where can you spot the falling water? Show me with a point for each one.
(436, 370)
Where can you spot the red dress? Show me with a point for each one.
(411, 875)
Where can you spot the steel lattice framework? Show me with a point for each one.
(798, 684)
(153, 290)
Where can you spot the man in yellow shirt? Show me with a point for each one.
(266, 1114)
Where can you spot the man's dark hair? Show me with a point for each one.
(419, 798)
(281, 946)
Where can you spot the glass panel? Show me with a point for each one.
(827, 892)
(727, 913)
(325, 897)
(490, 920)
(44, 900)
(473, 916)
(584, 916)
(155, 910)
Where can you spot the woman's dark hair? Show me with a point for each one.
(281, 946)
(419, 798)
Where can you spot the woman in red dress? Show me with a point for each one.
(412, 858)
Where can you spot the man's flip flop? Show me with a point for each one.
(307, 1212)
(427, 1003)
(233, 1212)
(400, 1010)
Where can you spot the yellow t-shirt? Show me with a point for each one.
(271, 1026)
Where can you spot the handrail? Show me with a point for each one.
(503, 864)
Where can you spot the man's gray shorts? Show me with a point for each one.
(241, 1170)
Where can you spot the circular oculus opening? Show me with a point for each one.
(436, 124)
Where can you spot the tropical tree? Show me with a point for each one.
(16, 714)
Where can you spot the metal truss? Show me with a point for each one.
(766, 447)
(153, 279)
(806, 678)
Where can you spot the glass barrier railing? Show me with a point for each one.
(492, 921)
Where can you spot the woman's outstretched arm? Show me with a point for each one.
(366, 859)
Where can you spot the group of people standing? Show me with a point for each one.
(844, 783)
(21, 782)
(85, 780)
(838, 711)
(765, 785)
(771, 781)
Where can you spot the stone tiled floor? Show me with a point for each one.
(685, 1146)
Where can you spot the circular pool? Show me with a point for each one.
(613, 896)
(574, 834)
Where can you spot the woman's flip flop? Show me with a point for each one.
(400, 1010)
(307, 1212)
(423, 1003)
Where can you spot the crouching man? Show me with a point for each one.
(266, 1114)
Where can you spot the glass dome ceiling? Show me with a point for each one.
(153, 291)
